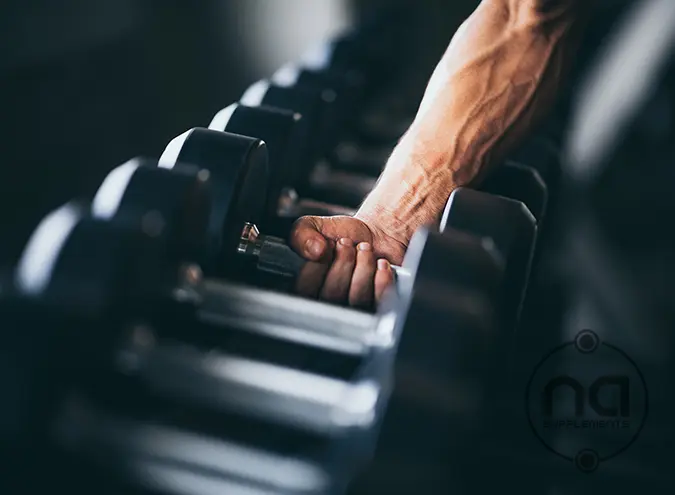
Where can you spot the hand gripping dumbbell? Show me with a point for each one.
(471, 276)
(154, 393)
(509, 222)
(281, 132)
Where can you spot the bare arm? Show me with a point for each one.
(500, 74)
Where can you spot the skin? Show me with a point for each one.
(498, 77)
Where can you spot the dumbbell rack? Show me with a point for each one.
(146, 456)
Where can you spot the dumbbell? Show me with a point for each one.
(512, 227)
(149, 364)
(320, 130)
(508, 220)
(519, 182)
(318, 107)
(279, 129)
(348, 87)
(346, 114)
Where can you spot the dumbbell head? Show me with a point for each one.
(542, 154)
(447, 336)
(238, 175)
(512, 228)
(280, 130)
(520, 182)
(317, 107)
(348, 86)
(177, 203)
(447, 303)
(60, 269)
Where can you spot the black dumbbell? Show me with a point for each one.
(520, 182)
(513, 229)
(320, 130)
(318, 107)
(348, 87)
(281, 132)
(228, 193)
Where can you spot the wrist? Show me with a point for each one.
(411, 193)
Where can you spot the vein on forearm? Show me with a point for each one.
(484, 106)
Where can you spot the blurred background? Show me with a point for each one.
(87, 84)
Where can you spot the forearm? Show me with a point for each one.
(500, 74)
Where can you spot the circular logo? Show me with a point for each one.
(587, 401)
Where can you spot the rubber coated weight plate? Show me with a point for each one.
(453, 276)
(239, 184)
(520, 182)
(280, 130)
(445, 372)
(86, 266)
(543, 155)
(177, 203)
(348, 88)
(512, 228)
(313, 105)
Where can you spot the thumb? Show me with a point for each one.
(306, 238)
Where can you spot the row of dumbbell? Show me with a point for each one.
(90, 256)
(152, 346)
(313, 377)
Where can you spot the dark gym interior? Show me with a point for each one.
(86, 85)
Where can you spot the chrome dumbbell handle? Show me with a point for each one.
(274, 256)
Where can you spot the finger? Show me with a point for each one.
(361, 289)
(339, 277)
(384, 278)
(306, 238)
(312, 274)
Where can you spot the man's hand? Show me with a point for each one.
(499, 76)
(349, 259)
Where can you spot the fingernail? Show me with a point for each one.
(364, 246)
(382, 264)
(314, 247)
(346, 242)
